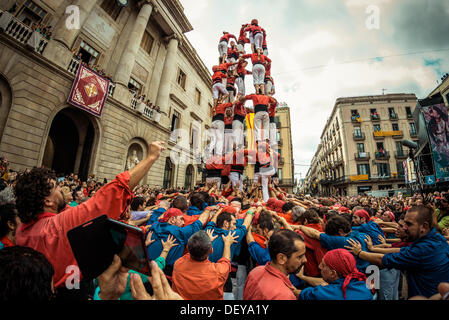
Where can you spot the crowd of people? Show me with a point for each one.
(225, 239)
(214, 243)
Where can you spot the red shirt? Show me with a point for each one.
(260, 99)
(314, 254)
(226, 37)
(255, 58)
(254, 29)
(221, 108)
(233, 53)
(228, 120)
(242, 36)
(240, 109)
(268, 283)
(272, 110)
(48, 234)
(215, 163)
(268, 70)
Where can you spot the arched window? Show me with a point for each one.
(189, 177)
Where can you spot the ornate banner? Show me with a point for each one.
(89, 91)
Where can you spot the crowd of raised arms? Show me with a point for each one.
(225, 239)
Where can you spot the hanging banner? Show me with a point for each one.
(437, 123)
(251, 137)
(89, 91)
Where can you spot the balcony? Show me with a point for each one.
(413, 133)
(281, 161)
(359, 136)
(409, 116)
(394, 117)
(145, 110)
(280, 142)
(356, 119)
(400, 155)
(362, 156)
(375, 117)
(22, 33)
(385, 155)
(378, 135)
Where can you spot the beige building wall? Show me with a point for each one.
(339, 158)
(39, 85)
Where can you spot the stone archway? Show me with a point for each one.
(70, 143)
(5, 102)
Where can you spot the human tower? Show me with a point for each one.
(226, 156)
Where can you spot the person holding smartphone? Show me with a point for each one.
(39, 200)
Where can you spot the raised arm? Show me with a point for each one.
(310, 232)
(141, 169)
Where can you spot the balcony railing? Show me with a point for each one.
(394, 116)
(401, 155)
(22, 33)
(413, 133)
(362, 156)
(385, 155)
(145, 110)
(359, 136)
(375, 117)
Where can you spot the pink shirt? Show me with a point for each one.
(268, 283)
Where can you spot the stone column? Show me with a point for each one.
(168, 75)
(59, 47)
(129, 54)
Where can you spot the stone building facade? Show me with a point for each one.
(141, 46)
(361, 148)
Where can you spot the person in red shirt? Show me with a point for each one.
(259, 61)
(239, 162)
(257, 34)
(217, 129)
(219, 77)
(233, 55)
(265, 45)
(240, 79)
(270, 282)
(214, 166)
(269, 82)
(272, 126)
(223, 45)
(261, 119)
(240, 112)
(39, 200)
(230, 86)
(229, 136)
(264, 168)
(242, 39)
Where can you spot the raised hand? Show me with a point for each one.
(170, 243)
(354, 247)
(148, 241)
(210, 233)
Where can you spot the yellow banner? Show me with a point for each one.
(360, 177)
(251, 137)
(387, 133)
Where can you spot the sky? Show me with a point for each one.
(326, 49)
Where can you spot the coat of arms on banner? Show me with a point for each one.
(89, 91)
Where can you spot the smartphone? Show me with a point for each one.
(129, 242)
(95, 243)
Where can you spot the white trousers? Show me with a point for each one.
(237, 130)
(261, 125)
(240, 85)
(217, 137)
(223, 48)
(217, 89)
(236, 179)
(258, 41)
(258, 74)
(263, 176)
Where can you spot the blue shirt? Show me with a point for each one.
(1, 246)
(194, 211)
(426, 261)
(339, 242)
(218, 244)
(139, 215)
(261, 255)
(356, 290)
(155, 216)
(162, 230)
(372, 229)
